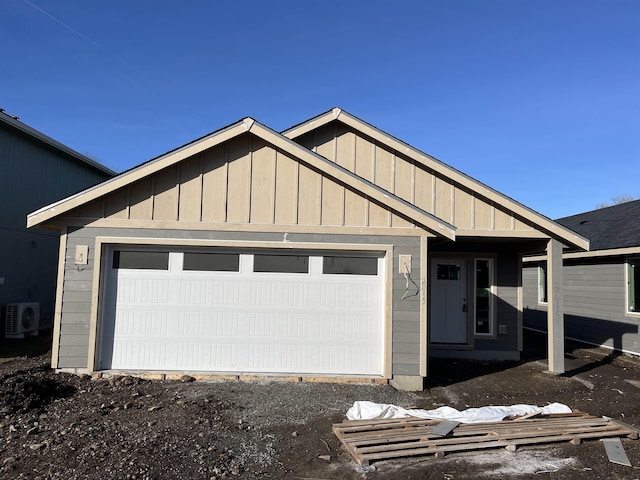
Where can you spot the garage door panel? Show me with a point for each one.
(278, 358)
(350, 328)
(208, 324)
(140, 354)
(142, 290)
(244, 321)
(133, 322)
(358, 359)
(351, 296)
(209, 291)
(192, 355)
(279, 293)
(279, 327)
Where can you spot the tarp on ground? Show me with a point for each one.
(364, 410)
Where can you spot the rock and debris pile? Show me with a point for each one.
(65, 426)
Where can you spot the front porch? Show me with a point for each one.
(475, 302)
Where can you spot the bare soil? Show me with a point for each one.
(62, 426)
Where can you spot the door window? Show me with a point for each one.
(448, 272)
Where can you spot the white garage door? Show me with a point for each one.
(260, 312)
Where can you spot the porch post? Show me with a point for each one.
(555, 310)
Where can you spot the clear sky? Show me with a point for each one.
(539, 99)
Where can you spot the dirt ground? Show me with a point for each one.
(61, 426)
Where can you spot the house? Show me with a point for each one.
(601, 287)
(332, 249)
(36, 170)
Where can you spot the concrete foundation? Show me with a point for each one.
(409, 383)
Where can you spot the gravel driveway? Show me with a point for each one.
(69, 427)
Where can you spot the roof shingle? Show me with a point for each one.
(610, 227)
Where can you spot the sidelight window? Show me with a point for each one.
(483, 322)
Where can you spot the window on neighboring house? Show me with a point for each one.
(542, 282)
(483, 297)
(633, 285)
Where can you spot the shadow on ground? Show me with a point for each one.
(11, 348)
(446, 371)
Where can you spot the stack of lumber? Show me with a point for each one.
(370, 440)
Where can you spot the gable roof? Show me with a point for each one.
(313, 160)
(33, 133)
(541, 222)
(610, 227)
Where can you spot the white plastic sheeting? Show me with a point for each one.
(363, 410)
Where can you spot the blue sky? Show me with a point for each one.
(539, 99)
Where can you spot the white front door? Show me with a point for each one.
(449, 301)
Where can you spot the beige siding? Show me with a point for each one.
(286, 202)
(215, 179)
(332, 208)
(190, 190)
(463, 209)
(409, 180)
(309, 196)
(239, 180)
(116, 204)
(483, 215)
(424, 186)
(263, 184)
(248, 181)
(444, 200)
(345, 148)
(165, 194)
(502, 220)
(141, 200)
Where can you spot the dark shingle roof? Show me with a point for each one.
(609, 227)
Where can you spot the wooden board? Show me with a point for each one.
(370, 440)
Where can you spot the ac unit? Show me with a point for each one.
(21, 319)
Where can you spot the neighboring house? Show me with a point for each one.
(36, 170)
(330, 249)
(601, 287)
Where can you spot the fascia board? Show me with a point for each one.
(347, 177)
(547, 225)
(614, 252)
(315, 122)
(48, 212)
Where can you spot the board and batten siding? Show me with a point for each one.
(594, 300)
(75, 310)
(409, 180)
(242, 181)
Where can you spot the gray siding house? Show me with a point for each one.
(36, 170)
(601, 287)
(330, 250)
